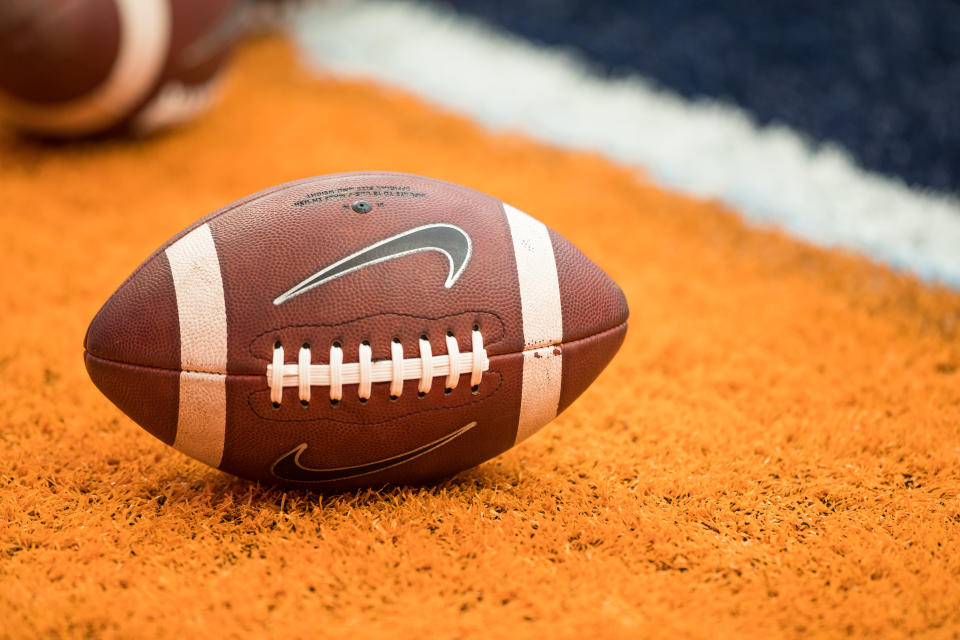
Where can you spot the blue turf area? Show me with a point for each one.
(879, 77)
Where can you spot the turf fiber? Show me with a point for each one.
(774, 452)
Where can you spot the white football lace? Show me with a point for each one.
(366, 371)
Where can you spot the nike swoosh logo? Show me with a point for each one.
(448, 239)
(227, 29)
(289, 469)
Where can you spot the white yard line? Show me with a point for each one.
(771, 174)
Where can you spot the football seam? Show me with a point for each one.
(391, 419)
(264, 375)
(499, 339)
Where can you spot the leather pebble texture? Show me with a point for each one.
(301, 270)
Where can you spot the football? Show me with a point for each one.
(355, 330)
(71, 68)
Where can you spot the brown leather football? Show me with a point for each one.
(357, 329)
(81, 67)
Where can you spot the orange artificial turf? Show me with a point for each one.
(774, 452)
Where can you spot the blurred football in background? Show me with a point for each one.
(71, 68)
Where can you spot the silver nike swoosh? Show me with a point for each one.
(227, 28)
(448, 239)
(288, 467)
